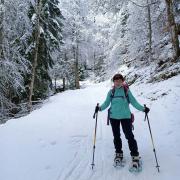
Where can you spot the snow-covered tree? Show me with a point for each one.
(173, 29)
(74, 32)
(48, 24)
(14, 29)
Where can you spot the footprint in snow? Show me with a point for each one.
(170, 132)
(53, 143)
(48, 167)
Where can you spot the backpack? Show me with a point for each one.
(126, 88)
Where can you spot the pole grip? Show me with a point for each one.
(145, 113)
(95, 111)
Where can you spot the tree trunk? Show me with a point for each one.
(55, 86)
(94, 57)
(1, 28)
(173, 29)
(39, 5)
(178, 29)
(64, 84)
(77, 86)
(1, 53)
(150, 32)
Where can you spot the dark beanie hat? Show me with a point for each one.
(118, 76)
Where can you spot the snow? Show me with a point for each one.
(100, 19)
(41, 30)
(55, 142)
(34, 16)
(178, 7)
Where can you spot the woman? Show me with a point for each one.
(120, 114)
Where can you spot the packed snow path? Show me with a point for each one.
(55, 142)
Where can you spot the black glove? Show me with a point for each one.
(97, 109)
(146, 110)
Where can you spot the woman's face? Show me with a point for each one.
(118, 82)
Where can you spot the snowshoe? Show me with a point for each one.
(119, 160)
(136, 165)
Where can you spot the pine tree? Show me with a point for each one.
(50, 39)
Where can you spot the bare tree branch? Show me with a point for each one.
(140, 5)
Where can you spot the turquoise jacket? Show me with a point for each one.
(119, 108)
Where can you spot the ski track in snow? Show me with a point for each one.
(56, 141)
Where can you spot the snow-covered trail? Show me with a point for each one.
(55, 142)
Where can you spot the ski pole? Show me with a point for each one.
(94, 142)
(146, 117)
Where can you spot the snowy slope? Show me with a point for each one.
(55, 142)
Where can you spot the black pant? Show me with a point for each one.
(127, 129)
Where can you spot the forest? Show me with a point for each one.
(49, 46)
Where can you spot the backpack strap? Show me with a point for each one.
(112, 92)
(126, 88)
(112, 95)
